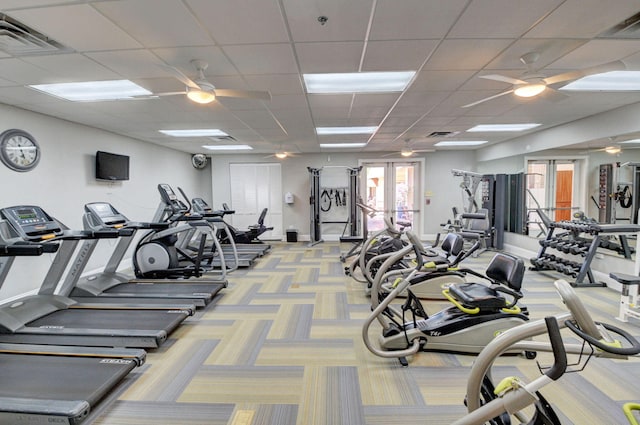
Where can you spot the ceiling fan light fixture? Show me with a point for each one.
(200, 96)
(612, 150)
(529, 90)
(406, 152)
(281, 155)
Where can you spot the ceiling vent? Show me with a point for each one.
(223, 139)
(17, 39)
(627, 29)
(440, 134)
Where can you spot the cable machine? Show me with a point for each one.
(334, 195)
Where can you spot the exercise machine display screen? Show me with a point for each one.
(31, 222)
(105, 213)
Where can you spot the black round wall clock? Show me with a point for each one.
(19, 150)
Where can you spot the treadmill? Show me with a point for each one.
(56, 384)
(47, 318)
(111, 285)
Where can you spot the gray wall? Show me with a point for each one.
(64, 181)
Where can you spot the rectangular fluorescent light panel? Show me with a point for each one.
(91, 91)
(502, 127)
(201, 132)
(324, 131)
(607, 81)
(342, 145)
(358, 82)
(632, 141)
(461, 143)
(228, 147)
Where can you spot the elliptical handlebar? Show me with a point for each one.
(612, 348)
(557, 346)
(523, 395)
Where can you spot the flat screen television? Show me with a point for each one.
(111, 166)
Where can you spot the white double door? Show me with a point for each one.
(393, 189)
(253, 188)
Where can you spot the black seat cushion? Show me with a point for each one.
(474, 295)
(506, 270)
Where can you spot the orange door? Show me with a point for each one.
(564, 185)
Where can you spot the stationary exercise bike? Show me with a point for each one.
(479, 313)
(512, 395)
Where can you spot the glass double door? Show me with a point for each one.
(392, 189)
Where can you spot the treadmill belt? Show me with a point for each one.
(186, 289)
(59, 377)
(109, 319)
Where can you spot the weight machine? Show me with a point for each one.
(334, 196)
(618, 192)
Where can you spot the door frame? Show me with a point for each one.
(580, 174)
(418, 225)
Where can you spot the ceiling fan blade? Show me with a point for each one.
(553, 95)
(503, 78)
(390, 154)
(169, 93)
(487, 98)
(180, 76)
(574, 75)
(245, 94)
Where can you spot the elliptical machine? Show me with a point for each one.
(156, 254)
(479, 313)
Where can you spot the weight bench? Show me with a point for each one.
(628, 301)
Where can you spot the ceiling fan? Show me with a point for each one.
(281, 155)
(202, 91)
(533, 83)
(407, 151)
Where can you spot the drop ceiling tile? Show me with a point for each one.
(428, 80)
(276, 84)
(287, 102)
(73, 67)
(397, 55)
(374, 99)
(479, 19)
(130, 64)
(181, 58)
(466, 54)
(583, 18)
(23, 73)
(90, 30)
(241, 21)
(262, 59)
(329, 57)
(346, 20)
(597, 52)
(156, 23)
(414, 19)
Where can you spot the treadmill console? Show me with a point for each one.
(170, 198)
(105, 214)
(200, 205)
(31, 223)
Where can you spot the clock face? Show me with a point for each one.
(19, 150)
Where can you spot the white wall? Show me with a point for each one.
(64, 181)
(439, 182)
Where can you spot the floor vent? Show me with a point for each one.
(627, 29)
(17, 39)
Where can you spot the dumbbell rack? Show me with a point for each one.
(580, 240)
